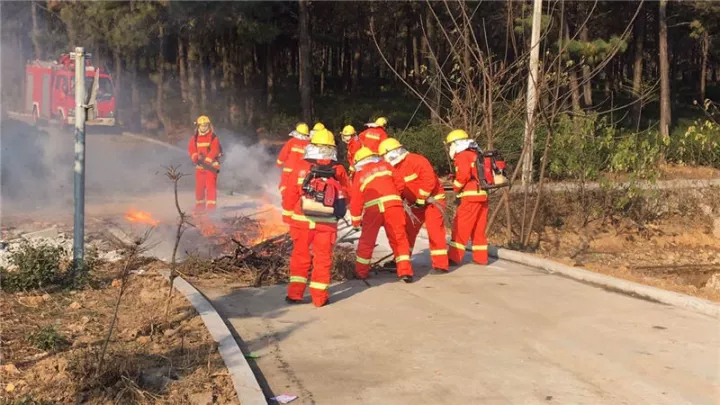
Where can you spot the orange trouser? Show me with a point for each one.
(432, 217)
(205, 182)
(321, 243)
(470, 220)
(393, 220)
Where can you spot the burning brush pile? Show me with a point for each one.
(253, 250)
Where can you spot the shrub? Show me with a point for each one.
(47, 339)
(699, 144)
(427, 140)
(40, 266)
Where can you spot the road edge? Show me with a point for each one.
(656, 294)
(246, 385)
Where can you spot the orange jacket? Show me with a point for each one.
(466, 184)
(352, 147)
(291, 197)
(291, 153)
(372, 137)
(418, 179)
(374, 187)
(205, 147)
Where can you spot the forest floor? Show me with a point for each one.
(673, 243)
(52, 338)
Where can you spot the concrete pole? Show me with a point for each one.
(532, 93)
(79, 168)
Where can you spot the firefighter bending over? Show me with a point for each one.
(205, 150)
(375, 134)
(290, 156)
(471, 215)
(375, 192)
(316, 194)
(422, 190)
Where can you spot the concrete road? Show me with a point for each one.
(501, 334)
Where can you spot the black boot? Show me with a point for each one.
(407, 279)
(440, 271)
(292, 301)
(389, 265)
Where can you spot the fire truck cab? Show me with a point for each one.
(50, 91)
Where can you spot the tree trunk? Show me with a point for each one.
(202, 71)
(35, 31)
(192, 88)
(160, 94)
(433, 74)
(305, 61)
(117, 82)
(136, 116)
(639, 34)
(416, 55)
(182, 68)
(665, 112)
(587, 85)
(322, 71)
(356, 69)
(703, 67)
(269, 76)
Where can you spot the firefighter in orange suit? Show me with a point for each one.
(471, 215)
(375, 192)
(204, 150)
(313, 232)
(290, 155)
(375, 134)
(422, 190)
(350, 137)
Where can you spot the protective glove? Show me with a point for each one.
(195, 160)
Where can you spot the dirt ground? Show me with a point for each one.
(51, 344)
(669, 240)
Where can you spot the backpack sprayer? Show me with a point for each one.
(322, 195)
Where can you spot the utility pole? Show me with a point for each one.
(79, 168)
(529, 139)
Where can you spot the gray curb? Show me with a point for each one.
(246, 386)
(666, 297)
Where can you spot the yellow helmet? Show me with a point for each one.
(349, 130)
(203, 119)
(323, 137)
(456, 134)
(363, 153)
(302, 128)
(319, 127)
(381, 121)
(388, 145)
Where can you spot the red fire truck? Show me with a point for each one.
(50, 91)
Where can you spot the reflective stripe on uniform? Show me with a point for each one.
(456, 245)
(298, 150)
(402, 258)
(354, 218)
(457, 183)
(301, 180)
(203, 144)
(479, 247)
(287, 213)
(282, 188)
(472, 193)
(361, 260)
(313, 220)
(439, 196)
(373, 177)
(419, 201)
(199, 201)
(319, 286)
(211, 202)
(410, 177)
(424, 193)
(298, 279)
(207, 159)
(371, 136)
(287, 169)
(438, 252)
(380, 202)
(279, 162)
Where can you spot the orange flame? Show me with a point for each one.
(141, 217)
